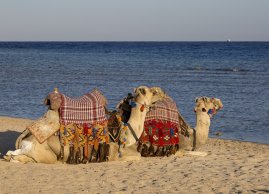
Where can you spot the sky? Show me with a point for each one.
(134, 20)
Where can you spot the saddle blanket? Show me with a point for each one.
(89, 109)
(161, 125)
(79, 135)
(164, 110)
(160, 133)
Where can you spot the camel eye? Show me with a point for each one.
(203, 109)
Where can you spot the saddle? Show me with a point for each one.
(161, 130)
(84, 127)
(89, 108)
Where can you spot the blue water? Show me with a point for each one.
(235, 72)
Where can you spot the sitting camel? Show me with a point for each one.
(205, 109)
(166, 131)
(30, 150)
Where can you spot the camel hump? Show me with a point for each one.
(89, 109)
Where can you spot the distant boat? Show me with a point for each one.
(229, 40)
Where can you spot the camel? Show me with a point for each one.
(28, 149)
(205, 108)
(189, 139)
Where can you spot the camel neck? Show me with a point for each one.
(202, 127)
(202, 120)
(136, 120)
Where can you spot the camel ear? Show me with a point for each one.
(46, 101)
(142, 91)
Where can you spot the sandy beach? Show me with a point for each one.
(229, 167)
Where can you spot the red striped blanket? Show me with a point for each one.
(161, 125)
(87, 109)
(164, 110)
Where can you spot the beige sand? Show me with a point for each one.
(229, 167)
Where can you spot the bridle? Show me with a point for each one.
(142, 108)
(211, 112)
(128, 125)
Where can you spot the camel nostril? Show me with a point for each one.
(203, 109)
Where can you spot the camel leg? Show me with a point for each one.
(130, 153)
(113, 151)
(21, 137)
(22, 159)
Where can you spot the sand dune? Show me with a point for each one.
(229, 167)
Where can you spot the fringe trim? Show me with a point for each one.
(153, 151)
(87, 143)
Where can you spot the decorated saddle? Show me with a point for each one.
(88, 108)
(84, 127)
(161, 129)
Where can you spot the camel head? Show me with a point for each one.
(205, 109)
(158, 94)
(207, 105)
(53, 100)
(143, 95)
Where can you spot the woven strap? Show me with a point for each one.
(132, 130)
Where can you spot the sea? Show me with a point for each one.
(235, 72)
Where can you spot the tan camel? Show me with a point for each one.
(30, 150)
(205, 108)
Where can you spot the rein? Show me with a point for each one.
(132, 130)
(143, 106)
(119, 127)
(126, 125)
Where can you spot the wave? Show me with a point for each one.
(220, 69)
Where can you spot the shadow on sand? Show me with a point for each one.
(7, 141)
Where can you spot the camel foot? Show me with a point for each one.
(130, 154)
(179, 154)
(19, 158)
(130, 158)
